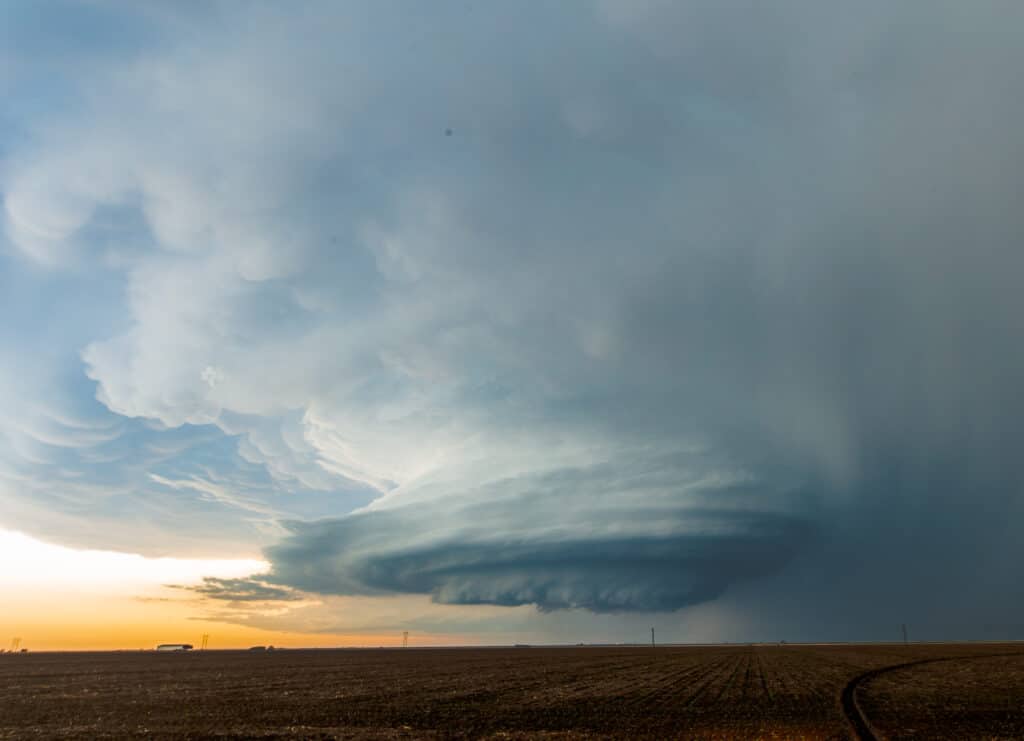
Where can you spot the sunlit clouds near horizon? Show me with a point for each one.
(30, 564)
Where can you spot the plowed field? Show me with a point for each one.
(558, 693)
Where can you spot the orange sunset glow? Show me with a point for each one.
(57, 598)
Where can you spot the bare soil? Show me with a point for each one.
(976, 698)
(714, 692)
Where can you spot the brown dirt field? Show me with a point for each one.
(503, 693)
(975, 698)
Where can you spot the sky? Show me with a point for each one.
(505, 323)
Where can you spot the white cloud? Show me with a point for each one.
(659, 228)
(45, 567)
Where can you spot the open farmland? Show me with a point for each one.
(559, 693)
(980, 698)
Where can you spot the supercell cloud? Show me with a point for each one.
(621, 306)
(634, 536)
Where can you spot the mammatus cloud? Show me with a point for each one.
(696, 295)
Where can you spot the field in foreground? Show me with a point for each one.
(555, 693)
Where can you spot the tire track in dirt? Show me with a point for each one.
(745, 693)
(639, 676)
(667, 694)
(761, 675)
(589, 679)
(733, 672)
(715, 670)
(656, 680)
(860, 725)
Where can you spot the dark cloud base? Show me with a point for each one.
(240, 590)
(597, 574)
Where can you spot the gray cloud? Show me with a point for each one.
(240, 590)
(610, 538)
(650, 574)
(698, 297)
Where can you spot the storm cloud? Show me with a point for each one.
(695, 299)
(240, 590)
(605, 539)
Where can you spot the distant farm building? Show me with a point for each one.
(174, 647)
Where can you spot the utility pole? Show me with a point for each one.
(904, 634)
(652, 637)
